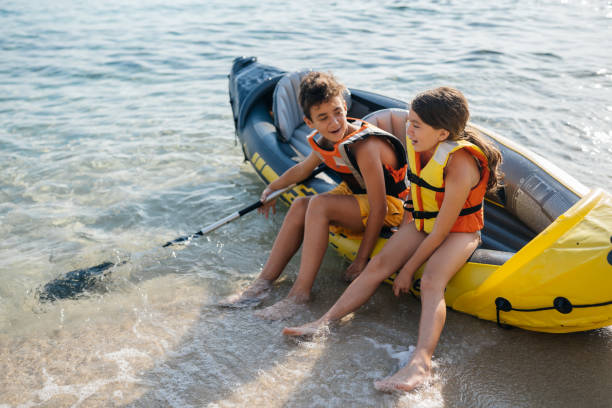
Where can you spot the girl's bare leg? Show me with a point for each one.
(394, 254)
(322, 211)
(440, 268)
(286, 244)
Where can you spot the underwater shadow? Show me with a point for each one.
(232, 358)
(369, 345)
(223, 351)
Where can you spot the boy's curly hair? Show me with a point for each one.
(318, 87)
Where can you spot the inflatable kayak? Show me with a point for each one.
(545, 263)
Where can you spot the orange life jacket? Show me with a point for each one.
(342, 160)
(427, 186)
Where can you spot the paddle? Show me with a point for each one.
(79, 280)
(229, 218)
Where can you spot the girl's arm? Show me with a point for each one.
(461, 176)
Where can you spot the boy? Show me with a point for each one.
(372, 164)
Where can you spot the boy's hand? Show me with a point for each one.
(402, 283)
(265, 209)
(354, 270)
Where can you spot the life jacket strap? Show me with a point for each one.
(409, 206)
(434, 214)
(422, 183)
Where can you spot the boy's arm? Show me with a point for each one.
(370, 165)
(296, 173)
(407, 209)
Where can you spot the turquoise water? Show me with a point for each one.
(116, 135)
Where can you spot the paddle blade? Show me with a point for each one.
(74, 282)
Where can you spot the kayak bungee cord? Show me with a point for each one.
(560, 304)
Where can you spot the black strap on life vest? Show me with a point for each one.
(409, 206)
(422, 183)
(434, 214)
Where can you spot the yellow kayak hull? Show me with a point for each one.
(571, 260)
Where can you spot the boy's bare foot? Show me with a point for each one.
(309, 329)
(280, 310)
(412, 376)
(252, 296)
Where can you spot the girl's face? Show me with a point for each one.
(423, 137)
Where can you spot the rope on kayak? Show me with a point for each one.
(561, 304)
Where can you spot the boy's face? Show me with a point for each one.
(329, 118)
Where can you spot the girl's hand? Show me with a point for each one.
(265, 209)
(354, 269)
(402, 283)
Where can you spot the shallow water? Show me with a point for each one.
(116, 135)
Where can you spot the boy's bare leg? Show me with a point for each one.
(394, 254)
(285, 245)
(322, 210)
(441, 267)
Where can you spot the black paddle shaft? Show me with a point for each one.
(241, 212)
(216, 225)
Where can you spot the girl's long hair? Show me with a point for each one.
(447, 108)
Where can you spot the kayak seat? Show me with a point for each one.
(392, 120)
(288, 115)
(298, 140)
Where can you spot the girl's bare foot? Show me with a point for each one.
(412, 376)
(252, 296)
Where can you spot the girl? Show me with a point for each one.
(452, 168)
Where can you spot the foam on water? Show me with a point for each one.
(403, 356)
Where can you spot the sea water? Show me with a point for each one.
(116, 136)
